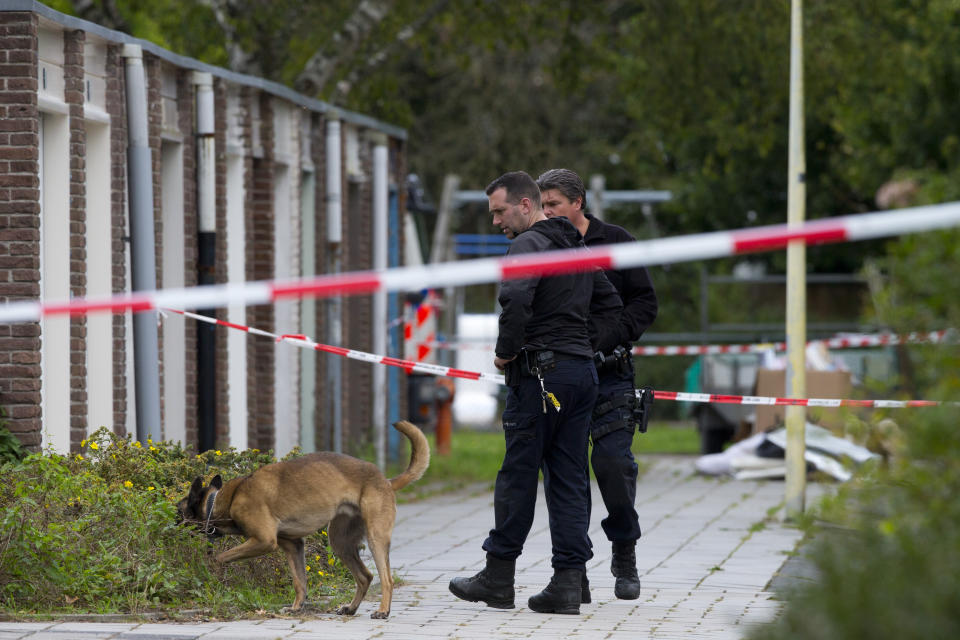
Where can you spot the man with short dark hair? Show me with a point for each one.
(614, 417)
(544, 349)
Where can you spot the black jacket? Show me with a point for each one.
(633, 285)
(552, 312)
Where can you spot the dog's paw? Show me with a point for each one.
(346, 610)
(380, 615)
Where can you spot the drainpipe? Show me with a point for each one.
(146, 355)
(380, 194)
(206, 259)
(334, 305)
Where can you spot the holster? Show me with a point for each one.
(642, 407)
(618, 360)
(537, 363)
(639, 402)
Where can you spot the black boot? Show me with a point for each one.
(562, 595)
(585, 590)
(493, 585)
(623, 566)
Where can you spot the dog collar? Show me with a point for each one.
(211, 501)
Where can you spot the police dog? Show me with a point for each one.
(280, 503)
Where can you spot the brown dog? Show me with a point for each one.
(278, 504)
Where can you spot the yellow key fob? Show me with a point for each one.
(553, 399)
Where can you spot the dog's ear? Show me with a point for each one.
(196, 487)
(217, 482)
(196, 491)
(189, 506)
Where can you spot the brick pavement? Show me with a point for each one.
(710, 547)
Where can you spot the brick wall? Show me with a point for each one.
(74, 97)
(223, 391)
(247, 95)
(20, 353)
(19, 222)
(358, 310)
(323, 432)
(186, 106)
(262, 352)
(116, 107)
(152, 68)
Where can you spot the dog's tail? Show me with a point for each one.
(419, 455)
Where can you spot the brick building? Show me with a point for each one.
(65, 231)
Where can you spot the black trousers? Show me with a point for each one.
(556, 443)
(613, 463)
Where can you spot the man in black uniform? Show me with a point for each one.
(544, 349)
(616, 413)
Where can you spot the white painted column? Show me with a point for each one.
(380, 231)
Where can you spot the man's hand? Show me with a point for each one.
(501, 363)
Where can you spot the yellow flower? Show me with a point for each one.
(94, 446)
(308, 567)
(127, 484)
(330, 561)
(218, 452)
(317, 558)
(149, 440)
(321, 572)
(79, 457)
(137, 444)
(153, 448)
(83, 443)
(149, 488)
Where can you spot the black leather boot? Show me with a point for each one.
(562, 595)
(493, 585)
(623, 566)
(585, 590)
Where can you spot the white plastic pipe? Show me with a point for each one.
(334, 307)
(146, 351)
(380, 231)
(206, 153)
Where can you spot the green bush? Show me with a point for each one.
(10, 448)
(97, 532)
(887, 566)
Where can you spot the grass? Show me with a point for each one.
(679, 438)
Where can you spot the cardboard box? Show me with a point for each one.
(820, 384)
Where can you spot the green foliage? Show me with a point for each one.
(891, 571)
(10, 448)
(98, 532)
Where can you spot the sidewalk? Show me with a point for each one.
(709, 549)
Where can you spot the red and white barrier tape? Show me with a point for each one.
(804, 402)
(838, 342)
(700, 246)
(306, 343)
